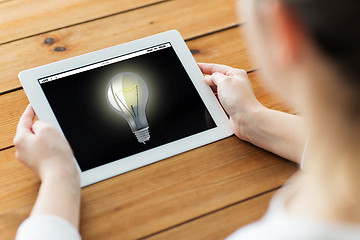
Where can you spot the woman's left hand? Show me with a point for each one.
(43, 148)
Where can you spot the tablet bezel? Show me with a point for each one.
(29, 80)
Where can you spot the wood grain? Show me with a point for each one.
(226, 47)
(12, 105)
(18, 192)
(220, 224)
(22, 18)
(156, 197)
(90, 36)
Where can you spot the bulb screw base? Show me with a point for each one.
(142, 135)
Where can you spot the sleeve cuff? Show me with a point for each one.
(47, 227)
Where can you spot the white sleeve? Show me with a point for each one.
(47, 227)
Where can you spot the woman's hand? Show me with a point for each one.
(47, 153)
(235, 94)
(43, 149)
(277, 132)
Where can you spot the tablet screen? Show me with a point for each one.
(118, 107)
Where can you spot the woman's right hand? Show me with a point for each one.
(235, 94)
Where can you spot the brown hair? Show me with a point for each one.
(334, 26)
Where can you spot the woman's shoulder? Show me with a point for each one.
(278, 224)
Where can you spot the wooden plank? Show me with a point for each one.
(110, 31)
(22, 18)
(227, 47)
(13, 104)
(220, 224)
(156, 197)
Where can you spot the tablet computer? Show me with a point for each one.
(127, 106)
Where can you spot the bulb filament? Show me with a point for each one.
(133, 112)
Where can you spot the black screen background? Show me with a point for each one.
(98, 135)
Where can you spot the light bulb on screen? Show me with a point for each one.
(128, 95)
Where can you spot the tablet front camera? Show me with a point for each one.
(128, 94)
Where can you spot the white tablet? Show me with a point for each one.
(127, 106)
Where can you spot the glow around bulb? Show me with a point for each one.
(128, 95)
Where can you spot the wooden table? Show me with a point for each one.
(206, 193)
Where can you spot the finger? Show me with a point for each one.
(39, 125)
(24, 126)
(211, 68)
(26, 120)
(234, 72)
(214, 79)
(209, 80)
(218, 78)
